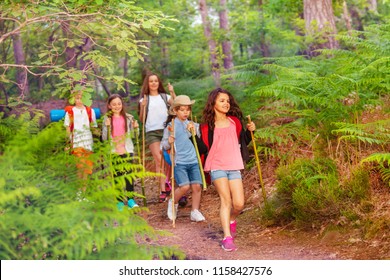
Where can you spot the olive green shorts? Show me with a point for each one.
(154, 136)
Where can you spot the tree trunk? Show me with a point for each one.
(211, 42)
(347, 17)
(125, 73)
(70, 53)
(226, 44)
(21, 73)
(319, 17)
(373, 6)
(265, 52)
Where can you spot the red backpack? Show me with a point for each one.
(69, 110)
(204, 128)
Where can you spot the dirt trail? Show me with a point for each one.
(201, 241)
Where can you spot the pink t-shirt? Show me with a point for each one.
(225, 152)
(119, 134)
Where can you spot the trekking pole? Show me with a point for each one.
(173, 173)
(257, 162)
(143, 166)
(143, 153)
(199, 160)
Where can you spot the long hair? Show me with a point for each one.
(209, 113)
(145, 85)
(122, 112)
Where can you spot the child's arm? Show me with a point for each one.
(199, 142)
(105, 128)
(165, 140)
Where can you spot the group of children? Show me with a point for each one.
(221, 138)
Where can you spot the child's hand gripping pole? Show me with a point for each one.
(199, 160)
(257, 163)
(172, 130)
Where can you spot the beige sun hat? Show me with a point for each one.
(180, 100)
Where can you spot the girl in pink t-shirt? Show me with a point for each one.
(227, 142)
(122, 126)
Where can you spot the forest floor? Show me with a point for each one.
(255, 240)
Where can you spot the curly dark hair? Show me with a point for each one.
(209, 113)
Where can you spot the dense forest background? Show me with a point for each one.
(313, 75)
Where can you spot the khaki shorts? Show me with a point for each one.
(154, 136)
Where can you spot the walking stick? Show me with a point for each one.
(199, 160)
(143, 165)
(143, 153)
(173, 173)
(257, 163)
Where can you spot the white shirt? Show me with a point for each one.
(157, 113)
(82, 135)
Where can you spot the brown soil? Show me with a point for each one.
(255, 241)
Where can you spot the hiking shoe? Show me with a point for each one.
(168, 187)
(228, 244)
(131, 203)
(183, 201)
(163, 197)
(169, 210)
(196, 216)
(233, 228)
(120, 206)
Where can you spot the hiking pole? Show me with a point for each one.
(199, 160)
(173, 173)
(257, 162)
(143, 166)
(143, 153)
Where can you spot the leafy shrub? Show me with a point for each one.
(40, 217)
(307, 191)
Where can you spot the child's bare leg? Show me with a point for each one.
(196, 196)
(180, 191)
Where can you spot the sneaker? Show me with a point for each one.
(233, 228)
(120, 206)
(168, 187)
(163, 197)
(169, 210)
(131, 203)
(228, 244)
(183, 201)
(196, 216)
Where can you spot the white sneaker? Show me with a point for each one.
(196, 216)
(169, 210)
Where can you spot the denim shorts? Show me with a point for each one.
(229, 174)
(186, 174)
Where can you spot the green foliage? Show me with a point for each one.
(307, 191)
(357, 187)
(42, 217)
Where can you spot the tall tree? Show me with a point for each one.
(215, 68)
(226, 44)
(21, 72)
(265, 52)
(319, 20)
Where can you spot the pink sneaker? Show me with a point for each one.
(233, 228)
(228, 244)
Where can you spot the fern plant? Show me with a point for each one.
(40, 217)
